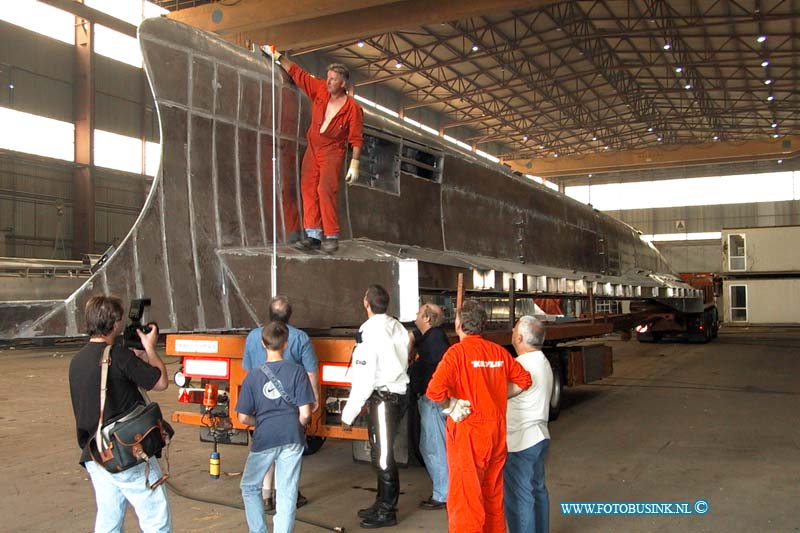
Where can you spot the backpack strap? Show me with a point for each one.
(277, 384)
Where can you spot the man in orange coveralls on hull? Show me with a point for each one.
(336, 120)
(473, 382)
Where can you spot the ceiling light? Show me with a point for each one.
(555, 155)
(765, 63)
(594, 137)
(678, 69)
(10, 85)
(780, 161)
(687, 86)
(590, 175)
(474, 47)
(525, 138)
(716, 137)
(605, 147)
(775, 135)
(774, 125)
(667, 46)
(659, 139)
(541, 146)
(650, 129)
(770, 98)
(398, 65)
(361, 44)
(767, 82)
(761, 38)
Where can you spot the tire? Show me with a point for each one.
(557, 397)
(313, 445)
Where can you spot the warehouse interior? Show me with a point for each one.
(681, 120)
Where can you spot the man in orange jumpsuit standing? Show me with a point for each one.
(336, 120)
(474, 380)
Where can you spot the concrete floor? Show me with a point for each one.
(676, 422)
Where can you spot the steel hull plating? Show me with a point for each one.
(201, 248)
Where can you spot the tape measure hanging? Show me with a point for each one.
(274, 263)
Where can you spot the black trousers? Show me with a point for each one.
(385, 412)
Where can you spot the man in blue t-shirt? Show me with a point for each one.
(279, 406)
(299, 351)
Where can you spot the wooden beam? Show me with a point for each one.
(313, 23)
(83, 197)
(256, 14)
(667, 156)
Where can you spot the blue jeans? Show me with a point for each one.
(113, 492)
(525, 498)
(287, 461)
(432, 447)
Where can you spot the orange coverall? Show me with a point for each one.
(322, 164)
(479, 371)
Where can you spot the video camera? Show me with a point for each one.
(130, 339)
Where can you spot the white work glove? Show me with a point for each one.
(458, 410)
(271, 51)
(352, 172)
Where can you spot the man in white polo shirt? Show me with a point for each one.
(525, 497)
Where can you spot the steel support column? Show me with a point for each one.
(83, 231)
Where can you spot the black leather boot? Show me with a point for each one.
(307, 244)
(369, 512)
(383, 517)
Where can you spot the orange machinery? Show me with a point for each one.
(217, 359)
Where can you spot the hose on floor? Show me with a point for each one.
(178, 492)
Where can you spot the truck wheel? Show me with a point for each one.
(313, 444)
(556, 396)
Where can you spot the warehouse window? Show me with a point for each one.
(58, 24)
(738, 303)
(717, 190)
(703, 236)
(40, 18)
(119, 152)
(32, 134)
(737, 260)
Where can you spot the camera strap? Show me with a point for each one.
(105, 362)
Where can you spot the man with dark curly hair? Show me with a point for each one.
(129, 371)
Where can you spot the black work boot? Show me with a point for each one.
(269, 505)
(369, 512)
(383, 517)
(307, 244)
(301, 500)
(329, 246)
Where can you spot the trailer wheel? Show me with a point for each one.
(557, 395)
(313, 444)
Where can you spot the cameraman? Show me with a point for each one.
(129, 369)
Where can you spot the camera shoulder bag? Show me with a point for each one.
(133, 437)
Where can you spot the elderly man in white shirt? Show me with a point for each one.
(379, 378)
(525, 497)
